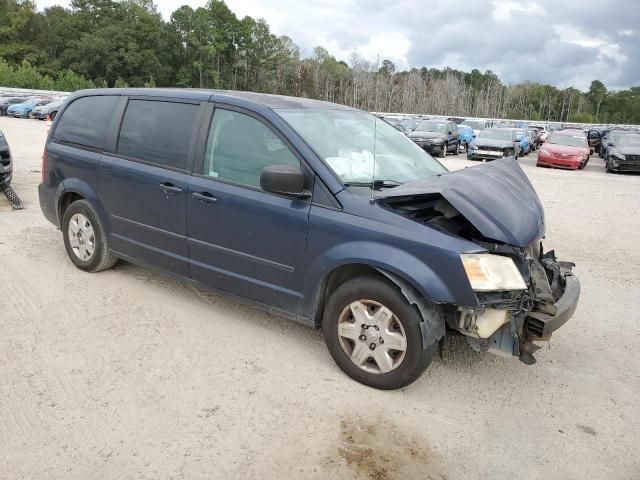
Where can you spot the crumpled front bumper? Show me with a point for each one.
(532, 315)
(541, 325)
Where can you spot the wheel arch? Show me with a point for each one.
(354, 259)
(74, 189)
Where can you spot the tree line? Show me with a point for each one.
(107, 43)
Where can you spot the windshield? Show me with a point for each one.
(568, 140)
(614, 136)
(473, 124)
(345, 141)
(411, 123)
(432, 127)
(630, 140)
(495, 134)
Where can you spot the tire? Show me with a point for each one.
(445, 148)
(370, 294)
(100, 257)
(607, 167)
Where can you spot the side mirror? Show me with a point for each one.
(283, 180)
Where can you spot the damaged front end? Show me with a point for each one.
(495, 207)
(508, 323)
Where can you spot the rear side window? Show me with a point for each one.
(86, 120)
(158, 132)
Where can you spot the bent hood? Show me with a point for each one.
(426, 134)
(496, 198)
(490, 142)
(629, 150)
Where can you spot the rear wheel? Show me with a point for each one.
(85, 239)
(373, 334)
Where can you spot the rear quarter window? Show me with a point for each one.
(85, 121)
(159, 132)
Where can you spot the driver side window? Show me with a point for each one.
(239, 147)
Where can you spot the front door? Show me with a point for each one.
(242, 239)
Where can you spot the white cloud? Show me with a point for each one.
(561, 43)
(503, 10)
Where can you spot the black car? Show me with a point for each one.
(594, 138)
(624, 156)
(610, 141)
(494, 143)
(5, 103)
(6, 168)
(311, 210)
(437, 136)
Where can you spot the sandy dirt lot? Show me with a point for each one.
(130, 374)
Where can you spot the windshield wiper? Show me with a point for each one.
(376, 185)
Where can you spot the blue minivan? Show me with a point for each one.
(312, 210)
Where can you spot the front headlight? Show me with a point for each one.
(487, 272)
(544, 151)
(473, 146)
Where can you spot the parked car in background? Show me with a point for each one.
(5, 103)
(369, 238)
(525, 146)
(493, 143)
(502, 124)
(610, 141)
(6, 165)
(624, 155)
(466, 136)
(541, 133)
(437, 136)
(23, 110)
(594, 139)
(50, 109)
(564, 149)
(476, 125)
(410, 124)
(532, 136)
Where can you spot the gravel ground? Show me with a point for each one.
(130, 374)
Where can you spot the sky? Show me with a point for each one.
(563, 43)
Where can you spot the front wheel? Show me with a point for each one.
(445, 147)
(374, 335)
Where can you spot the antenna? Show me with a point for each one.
(375, 140)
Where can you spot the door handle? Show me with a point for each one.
(204, 197)
(169, 188)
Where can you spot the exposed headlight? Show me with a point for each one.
(487, 272)
(473, 146)
(618, 156)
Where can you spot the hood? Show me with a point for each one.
(496, 198)
(628, 150)
(565, 149)
(425, 134)
(490, 142)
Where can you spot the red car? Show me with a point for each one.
(564, 149)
